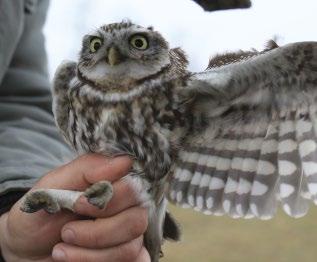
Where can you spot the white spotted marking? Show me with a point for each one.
(306, 147)
(223, 164)
(249, 165)
(209, 202)
(310, 168)
(204, 182)
(216, 183)
(239, 209)
(179, 196)
(303, 127)
(250, 144)
(286, 168)
(258, 189)
(286, 190)
(265, 168)
(287, 209)
(196, 179)
(244, 186)
(286, 127)
(231, 186)
(287, 146)
(185, 176)
(269, 146)
(254, 209)
(226, 206)
(200, 202)
(231, 145)
(312, 187)
(202, 160)
(237, 163)
(191, 200)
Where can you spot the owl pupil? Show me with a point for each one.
(138, 43)
(97, 46)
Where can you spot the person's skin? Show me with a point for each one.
(115, 234)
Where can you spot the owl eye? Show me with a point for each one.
(95, 44)
(139, 42)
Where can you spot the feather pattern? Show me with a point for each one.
(259, 145)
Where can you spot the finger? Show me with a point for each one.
(86, 170)
(126, 252)
(143, 256)
(106, 232)
(123, 198)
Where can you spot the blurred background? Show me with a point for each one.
(202, 34)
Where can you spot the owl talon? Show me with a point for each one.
(37, 200)
(99, 194)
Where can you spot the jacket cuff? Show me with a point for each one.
(8, 200)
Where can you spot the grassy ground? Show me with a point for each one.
(223, 239)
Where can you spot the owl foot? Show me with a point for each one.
(99, 194)
(40, 199)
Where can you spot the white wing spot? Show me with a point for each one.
(191, 200)
(286, 127)
(286, 190)
(209, 202)
(196, 179)
(204, 182)
(265, 168)
(200, 202)
(239, 209)
(287, 209)
(303, 127)
(226, 206)
(185, 176)
(286, 146)
(306, 147)
(179, 196)
(269, 146)
(259, 189)
(312, 187)
(254, 209)
(216, 183)
(244, 186)
(223, 164)
(231, 186)
(286, 168)
(310, 168)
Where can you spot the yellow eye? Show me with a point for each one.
(139, 42)
(95, 44)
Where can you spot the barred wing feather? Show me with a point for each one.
(258, 147)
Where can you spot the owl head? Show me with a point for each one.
(120, 54)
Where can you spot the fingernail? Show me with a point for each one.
(58, 255)
(68, 236)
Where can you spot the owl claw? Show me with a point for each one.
(99, 194)
(37, 200)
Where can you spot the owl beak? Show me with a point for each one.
(114, 56)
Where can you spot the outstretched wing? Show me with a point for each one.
(254, 142)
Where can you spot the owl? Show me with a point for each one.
(238, 138)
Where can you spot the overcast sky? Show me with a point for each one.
(182, 23)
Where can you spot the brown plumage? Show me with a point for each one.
(229, 140)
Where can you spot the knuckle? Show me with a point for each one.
(129, 251)
(138, 223)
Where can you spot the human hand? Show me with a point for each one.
(115, 234)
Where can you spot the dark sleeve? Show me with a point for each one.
(30, 144)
